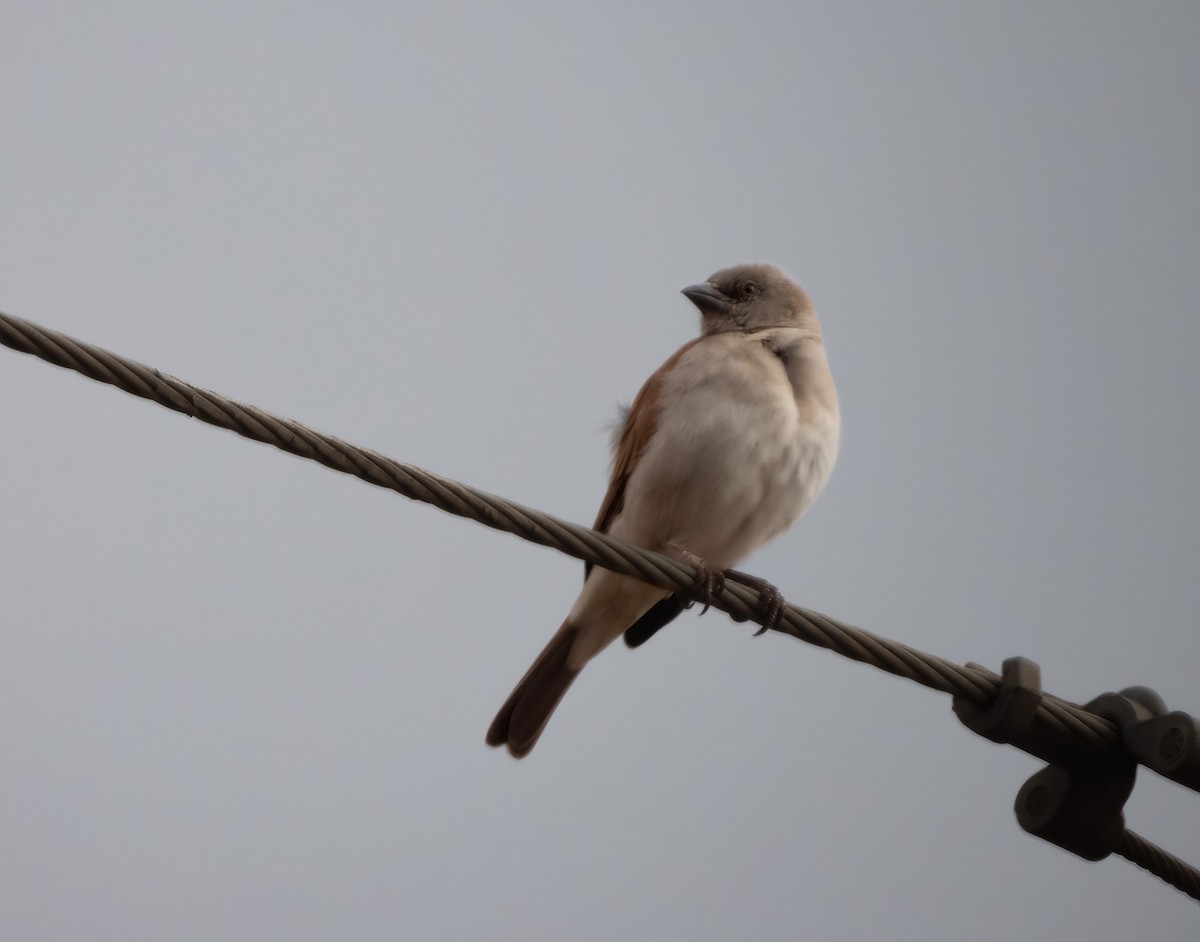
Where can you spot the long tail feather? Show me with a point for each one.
(528, 708)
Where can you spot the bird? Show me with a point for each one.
(724, 447)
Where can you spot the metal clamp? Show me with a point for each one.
(1077, 801)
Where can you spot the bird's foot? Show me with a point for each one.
(708, 584)
(771, 605)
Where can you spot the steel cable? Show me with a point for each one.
(742, 602)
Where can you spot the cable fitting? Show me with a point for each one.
(1077, 802)
(1168, 743)
(1007, 719)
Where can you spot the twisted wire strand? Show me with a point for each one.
(1166, 866)
(740, 601)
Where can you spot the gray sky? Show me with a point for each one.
(243, 697)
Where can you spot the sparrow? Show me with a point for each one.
(723, 448)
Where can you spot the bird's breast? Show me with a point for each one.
(735, 458)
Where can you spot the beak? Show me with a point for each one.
(707, 298)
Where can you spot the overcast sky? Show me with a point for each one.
(243, 697)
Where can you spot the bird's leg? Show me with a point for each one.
(709, 582)
(770, 608)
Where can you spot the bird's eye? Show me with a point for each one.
(749, 289)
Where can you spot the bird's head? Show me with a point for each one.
(750, 297)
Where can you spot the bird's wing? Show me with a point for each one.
(640, 422)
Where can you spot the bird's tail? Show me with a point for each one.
(528, 708)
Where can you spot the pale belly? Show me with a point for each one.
(728, 473)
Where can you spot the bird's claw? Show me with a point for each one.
(708, 584)
(771, 603)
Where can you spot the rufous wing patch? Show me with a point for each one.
(640, 423)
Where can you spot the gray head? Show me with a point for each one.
(751, 297)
